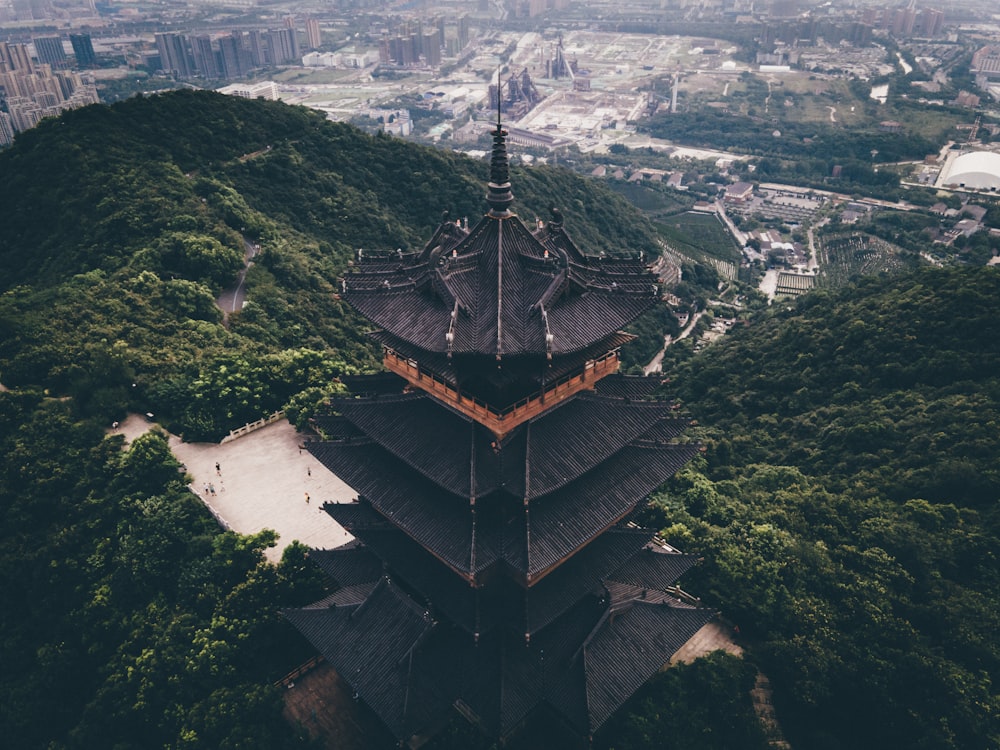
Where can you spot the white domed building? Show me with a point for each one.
(978, 170)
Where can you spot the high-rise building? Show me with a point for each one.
(174, 54)
(497, 570)
(931, 22)
(15, 57)
(49, 51)
(24, 112)
(313, 38)
(234, 58)
(204, 55)
(46, 99)
(903, 21)
(859, 34)
(256, 44)
(463, 31)
(38, 92)
(432, 47)
(83, 49)
(283, 46)
(403, 50)
(418, 36)
(6, 129)
(67, 81)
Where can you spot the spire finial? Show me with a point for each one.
(499, 196)
(499, 89)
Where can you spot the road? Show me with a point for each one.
(812, 265)
(656, 363)
(231, 300)
(720, 210)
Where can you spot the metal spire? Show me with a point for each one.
(499, 196)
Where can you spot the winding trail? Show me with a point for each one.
(656, 363)
(231, 300)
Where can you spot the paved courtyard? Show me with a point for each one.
(264, 479)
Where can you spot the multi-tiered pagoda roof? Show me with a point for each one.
(499, 463)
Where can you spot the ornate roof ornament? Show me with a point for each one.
(499, 196)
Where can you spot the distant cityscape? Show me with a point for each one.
(39, 85)
(578, 76)
(355, 59)
(575, 82)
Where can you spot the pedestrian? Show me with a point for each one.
(222, 485)
(218, 469)
(307, 497)
(309, 471)
(211, 488)
(205, 490)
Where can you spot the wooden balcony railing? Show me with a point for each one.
(502, 422)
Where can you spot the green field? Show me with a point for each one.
(798, 98)
(847, 257)
(700, 236)
(651, 201)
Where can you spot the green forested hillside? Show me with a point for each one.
(128, 620)
(846, 504)
(848, 507)
(123, 223)
(92, 188)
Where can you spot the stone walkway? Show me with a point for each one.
(263, 483)
(715, 636)
(764, 708)
(322, 703)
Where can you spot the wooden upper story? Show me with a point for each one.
(497, 421)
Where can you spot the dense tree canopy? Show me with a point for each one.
(847, 507)
(128, 619)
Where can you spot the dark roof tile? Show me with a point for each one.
(654, 568)
(532, 541)
(381, 633)
(630, 647)
(565, 520)
(438, 520)
(462, 457)
(348, 564)
(508, 291)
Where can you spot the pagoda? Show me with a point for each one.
(496, 569)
